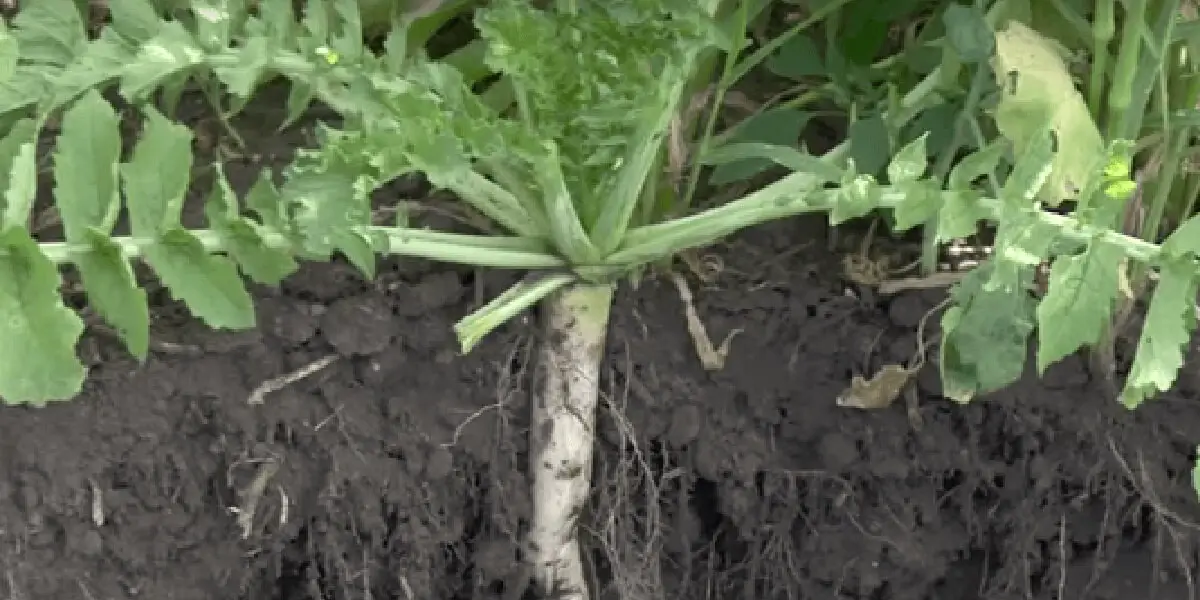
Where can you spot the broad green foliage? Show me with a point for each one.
(87, 191)
(986, 331)
(37, 332)
(1168, 329)
(568, 170)
(984, 337)
(1079, 301)
(560, 169)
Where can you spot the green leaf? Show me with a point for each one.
(569, 236)
(134, 19)
(323, 205)
(157, 176)
(359, 250)
(245, 240)
(776, 127)
(968, 32)
(277, 20)
(348, 42)
(316, 19)
(910, 162)
(171, 52)
(1165, 334)
(104, 59)
(1023, 243)
(216, 20)
(922, 199)
(49, 32)
(960, 215)
(1184, 242)
(86, 160)
(985, 161)
(796, 59)
(856, 198)
(171, 91)
(1031, 171)
(22, 186)
(937, 123)
(21, 135)
(1077, 307)
(260, 262)
(113, 291)
(1038, 86)
(738, 153)
(985, 338)
(300, 97)
(264, 199)
(243, 78)
(870, 145)
(607, 103)
(24, 88)
(37, 332)
(208, 284)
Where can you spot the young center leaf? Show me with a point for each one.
(156, 181)
(37, 332)
(1165, 335)
(86, 160)
(1078, 303)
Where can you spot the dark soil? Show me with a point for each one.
(397, 470)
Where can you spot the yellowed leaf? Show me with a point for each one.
(1037, 85)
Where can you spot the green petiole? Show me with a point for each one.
(476, 250)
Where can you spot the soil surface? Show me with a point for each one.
(396, 469)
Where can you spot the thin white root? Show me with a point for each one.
(562, 434)
(711, 358)
(252, 495)
(940, 279)
(278, 383)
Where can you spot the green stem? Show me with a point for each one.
(475, 250)
(515, 300)
(1164, 183)
(710, 125)
(1191, 196)
(797, 194)
(1120, 95)
(929, 235)
(752, 61)
(1104, 27)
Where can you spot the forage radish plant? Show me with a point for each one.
(563, 172)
